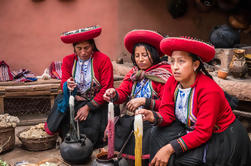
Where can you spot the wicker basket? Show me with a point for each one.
(37, 144)
(7, 139)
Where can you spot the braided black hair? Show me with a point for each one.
(155, 55)
(201, 66)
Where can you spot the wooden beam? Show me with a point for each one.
(242, 113)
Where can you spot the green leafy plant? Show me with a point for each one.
(3, 163)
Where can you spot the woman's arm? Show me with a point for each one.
(125, 88)
(209, 106)
(66, 69)
(105, 70)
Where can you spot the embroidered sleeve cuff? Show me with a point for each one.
(93, 104)
(148, 103)
(179, 146)
(152, 104)
(157, 118)
(116, 97)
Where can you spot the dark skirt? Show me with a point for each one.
(232, 147)
(93, 127)
(123, 128)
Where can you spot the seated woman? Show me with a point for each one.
(195, 123)
(86, 74)
(142, 87)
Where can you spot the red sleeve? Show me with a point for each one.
(125, 88)
(166, 109)
(66, 68)
(206, 120)
(159, 89)
(105, 71)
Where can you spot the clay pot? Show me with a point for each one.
(248, 60)
(238, 66)
(102, 160)
(222, 74)
(224, 36)
(238, 21)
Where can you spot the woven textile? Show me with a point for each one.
(5, 74)
(23, 75)
(55, 70)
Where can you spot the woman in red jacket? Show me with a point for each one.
(195, 124)
(142, 87)
(86, 74)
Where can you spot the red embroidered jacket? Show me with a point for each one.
(125, 88)
(211, 109)
(103, 72)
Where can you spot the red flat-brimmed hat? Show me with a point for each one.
(142, 36)
(81, 34)
(204, 50)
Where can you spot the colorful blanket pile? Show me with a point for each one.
(23, 75)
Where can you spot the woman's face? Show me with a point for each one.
(182, 66)
(83, 50)
(143, 58)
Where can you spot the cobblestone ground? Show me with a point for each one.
(18, 154)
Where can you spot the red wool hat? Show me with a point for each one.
(142, 36)
(81, 34)
(204, 50)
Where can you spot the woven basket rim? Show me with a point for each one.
(37, 144)
(22, 139)
(1, 127)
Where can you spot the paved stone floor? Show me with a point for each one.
(18, 154)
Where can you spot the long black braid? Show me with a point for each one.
(232, 100)
(201, 66)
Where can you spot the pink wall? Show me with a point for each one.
(30, 29)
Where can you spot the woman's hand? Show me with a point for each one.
(109, 94)
(82, 113)
(71, 84)
(146, 115)
(162, 157)
(135, 103)
(79, 98)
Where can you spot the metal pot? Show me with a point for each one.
(102, 160)
(76, 152)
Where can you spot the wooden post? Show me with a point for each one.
(1, 105)
(52, 97)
